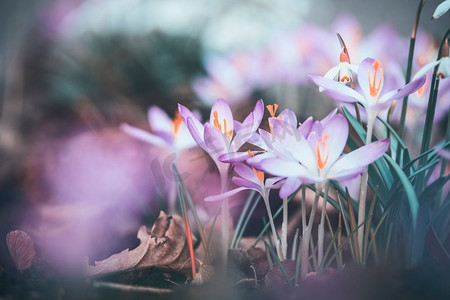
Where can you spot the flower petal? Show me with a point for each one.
(196, 135)
(215, 141)
(289, 116)
(246, 172)
(185, 113)
(337, 131)
(222, 117)
(337, 90)
(236, 157)
(331, 74)
(370, 78)
(441, 9)
(159, 121)
(281, 167)
(144, 135)
(245, 183)
(425, 69)
(402, 92)
(225, 195)
(357, 159)
(290, 185)
(305, 127)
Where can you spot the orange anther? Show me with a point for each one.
(374, 89)
(177, 121)
(259, 174)
(322, 145)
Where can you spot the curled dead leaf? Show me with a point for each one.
(21, 249)
(164, 246)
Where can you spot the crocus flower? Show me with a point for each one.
(371, 80)
(167, 133)
(343, 72)
(220, 135)
(318, 158)
(441, 9)
(249, 178)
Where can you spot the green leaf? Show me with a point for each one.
(409, 190)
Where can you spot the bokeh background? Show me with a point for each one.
(72, 71)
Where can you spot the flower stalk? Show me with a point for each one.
(304, 260)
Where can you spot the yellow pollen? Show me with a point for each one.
(374, 90)
(177, 121)
(259, 174)
(321, 146)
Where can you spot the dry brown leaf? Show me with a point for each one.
(21, 248)
(164, 246)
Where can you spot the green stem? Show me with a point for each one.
(225, 216)
(284, 228)
(272, 225)
(431, 109)
(321, 230)
(412, 43)
(304, 260)
(371, 116)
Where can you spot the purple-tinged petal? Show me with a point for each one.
(245, 183)
(144, 135)
(215, 141)
(353, 185)
(337, 90)
(359, 158)
(255, 160)
(370, 78)
(244, 133)
(336, 134)
(289, 116)
(225, 195)
(410, 88)
(196, 135)
(305, 127)
(221, 118)
(236, 157)
(258, 141)
(274, 182)
(289, 187)
(246, 172)
(329, 116)
(249, 126)
(267, 138)
(290, 144)
(159, 121)
(348, 174)
(185, 114)
(283, 168)
(441, 9)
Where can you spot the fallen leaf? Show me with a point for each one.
(21, 248)
(164, 246)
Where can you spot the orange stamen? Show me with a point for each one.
(227, 134)
(259, 174)
(322, 145)
(374, 90)
(272, 109)
(345, 79)
(177, 121)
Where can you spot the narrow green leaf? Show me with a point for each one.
(409, 190)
